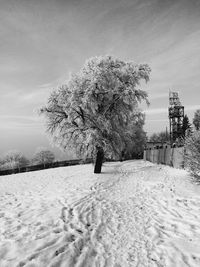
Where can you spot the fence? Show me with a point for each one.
(166, 155)
(46, 166)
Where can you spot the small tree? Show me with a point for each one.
(187, 128)
(196, 119)
(192, 153)
(14, 159)
(43, 156)
(92, 113)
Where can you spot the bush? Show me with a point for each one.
(192, 153)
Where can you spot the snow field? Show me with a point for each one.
(133, 214)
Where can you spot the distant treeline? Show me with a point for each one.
(46, 166)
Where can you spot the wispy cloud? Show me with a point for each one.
(36, 97)
(22, 123)
(42, 41)
(155, 111)
(20, 117)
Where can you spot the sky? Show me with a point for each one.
(43, 41)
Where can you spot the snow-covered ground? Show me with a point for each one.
(133, 214)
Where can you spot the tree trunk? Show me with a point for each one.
(122, 155)
(99, 160)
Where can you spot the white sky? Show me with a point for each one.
(43, 41)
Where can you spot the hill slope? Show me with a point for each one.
(133, 214)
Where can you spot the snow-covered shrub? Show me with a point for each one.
(192, 153)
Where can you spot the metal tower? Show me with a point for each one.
(176, 114)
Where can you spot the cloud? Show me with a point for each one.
(192, 107)
(22, 123)
(158, 95)
(36, 97)
(157, 120)
(155, 111)
(42, 41)
(20, 117)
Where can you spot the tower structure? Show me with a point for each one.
(176, 114)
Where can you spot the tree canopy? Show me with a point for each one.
(186, 127)
(43, 156)
(94, 110)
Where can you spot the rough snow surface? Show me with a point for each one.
(133, 214)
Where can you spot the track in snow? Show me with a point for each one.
(134, 214)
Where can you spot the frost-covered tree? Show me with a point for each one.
(196, 119)
(43, 156)
(192, 153)
(13, 159)
(135, 144)
(93, 111)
